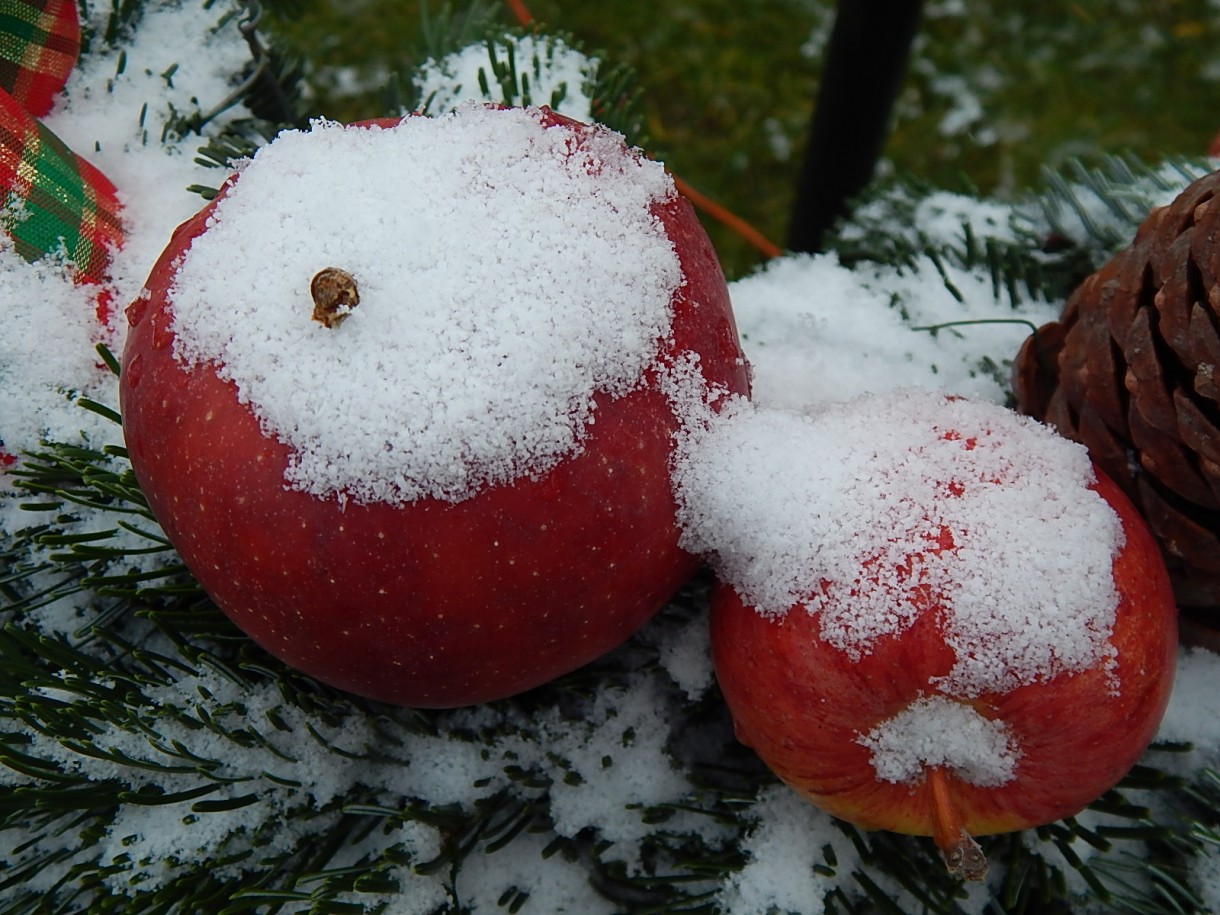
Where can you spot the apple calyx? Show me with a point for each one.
(334, 295)
(963, 856)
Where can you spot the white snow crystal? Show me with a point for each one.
(442, 381)
(788, 841)
(937, 731)
(871, 512)
(553, 74)
(47, 356)
(816, 331)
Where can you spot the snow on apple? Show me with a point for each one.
(483, 372)
(932, 616)
(114, 99)
(938, 731)
(462, 489)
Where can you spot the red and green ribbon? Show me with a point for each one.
(55, 201)
(52, 202)
(39, 44)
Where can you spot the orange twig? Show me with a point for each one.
(518, 9)
(713, 209)
(732, 220)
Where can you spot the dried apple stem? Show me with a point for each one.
(334, 295)
(963, 856)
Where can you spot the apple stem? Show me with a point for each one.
(963, 856)
(334, 295)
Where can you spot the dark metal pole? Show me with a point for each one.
(865, 62)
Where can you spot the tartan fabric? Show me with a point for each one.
(54, 201)
(39, 44)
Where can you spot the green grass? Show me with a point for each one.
(995, 90)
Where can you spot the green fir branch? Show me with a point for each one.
(1051, 240)
(612, 89)
(156, 702)
(448, 30)
(271, 88)
(1109, 201)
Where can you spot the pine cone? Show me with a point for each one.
(1132, 370)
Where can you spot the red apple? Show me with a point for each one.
(944, 681)
(453, 596)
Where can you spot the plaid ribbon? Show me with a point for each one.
(39, 44)
(54, 201)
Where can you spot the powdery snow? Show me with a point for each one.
(443, 380)
(47, 355)
(1192, 715)
(936, 731)
(512, 872)
(549, 72)
(113, 111)
(788, 842)
(853, 509)
(182, 59)
(815, 330)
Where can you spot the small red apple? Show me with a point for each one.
(978, 635)
(441, 519)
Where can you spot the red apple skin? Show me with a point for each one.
(430, 603)
(801, 704)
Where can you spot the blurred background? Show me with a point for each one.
(994, 91)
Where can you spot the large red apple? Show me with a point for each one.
(933, 617)
(453, 485)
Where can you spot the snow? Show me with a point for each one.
(115, 120)
(41, 303)
(864, 324)
(855, 510)
(789, 840)
(840, 358)
(1191, 717)
(488, 877)
(548, 72)
(938, 731)
(441, 382)
(685, 655)
(622, 755)
(181, 61)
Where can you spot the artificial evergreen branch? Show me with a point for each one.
(1039, 247)
(1101, 206)
(271, 90)
(448, 30)
(135, 710)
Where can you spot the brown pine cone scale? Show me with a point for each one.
(1132, 370)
